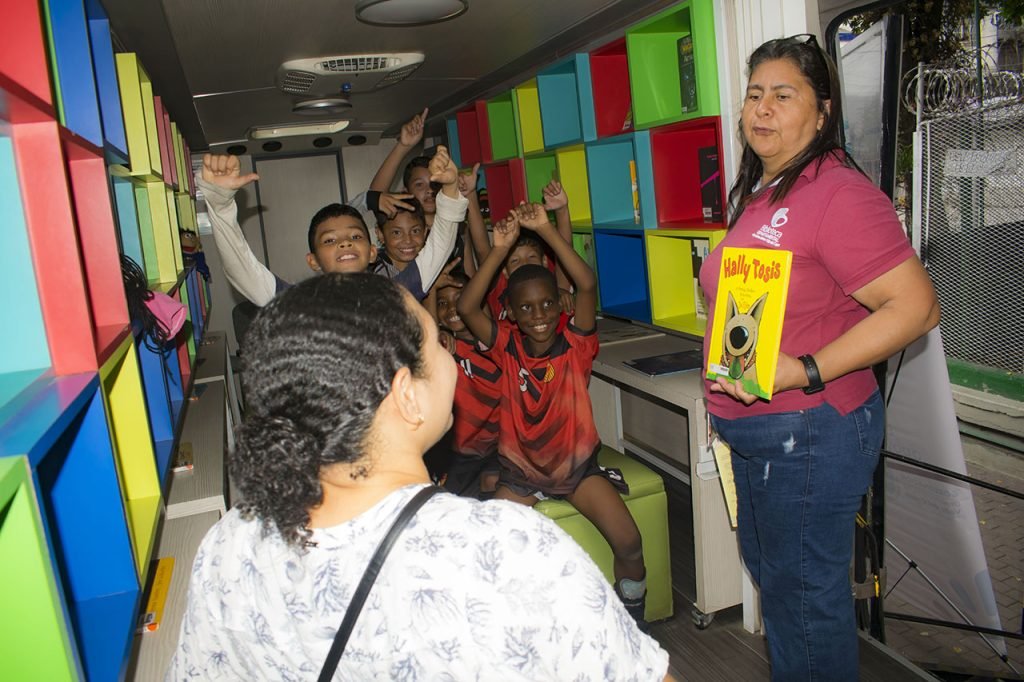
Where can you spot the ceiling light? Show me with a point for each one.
(289, 130)
(408, 12)
(323, 106)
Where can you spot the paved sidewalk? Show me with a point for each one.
(1001, 519)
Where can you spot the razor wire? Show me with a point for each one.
(935, 91)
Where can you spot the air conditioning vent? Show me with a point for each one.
(357, 64)
(327, 76)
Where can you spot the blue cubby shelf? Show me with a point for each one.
(622, 273)
(155, 371)
(195, 304)
(452, 126)
(611, 181)
(106, 83)
(127, 219)
(567, 102)
(79, 107)
(60, 425)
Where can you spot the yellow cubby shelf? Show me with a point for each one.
(673, 260)
(139, 117)
(572, 173)
(531, 134)
(167, 268)
(172, 216)
(133, 446)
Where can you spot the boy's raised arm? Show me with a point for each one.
(409, 137)
(506, 232)
(451, 209)
(474, 218)
(219, 179)
(535, 217)
(555, 199)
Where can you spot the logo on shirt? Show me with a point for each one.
(523, 374)
(467, 367)
(549, 374)
(771, 234)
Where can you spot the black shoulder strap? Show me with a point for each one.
(366, 584)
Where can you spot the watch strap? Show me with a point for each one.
(814, 382)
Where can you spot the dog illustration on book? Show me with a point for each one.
(739, 339)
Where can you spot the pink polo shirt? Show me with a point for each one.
(844, 233)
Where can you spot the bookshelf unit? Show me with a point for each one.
(88, 411)
(645, 178)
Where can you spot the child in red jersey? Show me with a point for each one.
(548, 442)
(529, 249)
(473, 467)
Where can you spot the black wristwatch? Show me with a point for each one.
(815, 384)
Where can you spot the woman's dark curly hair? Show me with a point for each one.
(320, 359)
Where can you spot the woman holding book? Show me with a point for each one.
(857, 294)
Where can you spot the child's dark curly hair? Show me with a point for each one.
(320, 359)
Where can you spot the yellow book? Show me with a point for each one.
(750, 305)
(154, 612)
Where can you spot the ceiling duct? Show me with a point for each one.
(326, 76)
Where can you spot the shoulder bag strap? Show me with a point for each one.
(366, 584)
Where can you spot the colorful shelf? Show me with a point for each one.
(622, 274)
(566, 102)
(686, 163)
(673, 265)
(621, 181)
(609, 79)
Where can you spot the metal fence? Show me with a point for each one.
(972, 214)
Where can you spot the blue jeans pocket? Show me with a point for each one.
(870, 421)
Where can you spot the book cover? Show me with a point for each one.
(667, 363)
(184, 459)
(160, 585)
(687, 75)
(710, 184)
(699, 250)
(750, 306)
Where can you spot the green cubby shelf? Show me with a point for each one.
(566, 102)
(540, 169)
(609, 79)
(34, 618)
(673, 265)
(621, 181)
(653, 51)
(531, 133)
(572, 173)
(684, 189)
(502, 123)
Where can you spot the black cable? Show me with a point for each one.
(136, 291)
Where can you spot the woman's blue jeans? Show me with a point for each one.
(800, 477)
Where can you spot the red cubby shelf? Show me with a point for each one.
(474, 137)
(677, 182)
(87, 172)
(51, 227)
(23, 58)
(609, 77)
(506, 186)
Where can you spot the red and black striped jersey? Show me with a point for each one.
(547, 422)
(477, 398)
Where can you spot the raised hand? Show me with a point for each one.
(390, 203)
(532, 216)
(445, 279)
(224, 170)
(442, 169)
(412, 131)
(568, 301)
(467, 181)
(555, 196)
(506, 231)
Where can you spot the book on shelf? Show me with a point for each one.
(636, 192)
(184, 459)
(149, 620)
(687, 75)
(667, 363)
(699, 250)
(750, 305)
(710, 184)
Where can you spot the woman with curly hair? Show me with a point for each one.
(348, 387)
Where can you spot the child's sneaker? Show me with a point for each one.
(635, 605)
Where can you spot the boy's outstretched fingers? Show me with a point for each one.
(554, 196)
(390, 203)
(441, 167)
(224, 170)
(445, 279)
